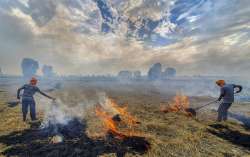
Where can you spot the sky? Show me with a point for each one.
(197, 37)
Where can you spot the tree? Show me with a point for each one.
(137, 74)
(29, 67)
(169, 72)
(154, 72)
(125, 75)
(48, 71)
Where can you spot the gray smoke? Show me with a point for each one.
(57, 112)
(245, 120)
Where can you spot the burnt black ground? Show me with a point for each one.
(34, 142)
(233, 136)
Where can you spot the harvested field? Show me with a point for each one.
(156, 134)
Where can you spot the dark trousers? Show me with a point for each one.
(222, 111)
(29, 104)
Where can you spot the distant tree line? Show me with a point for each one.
(30, 67)
(155, 72)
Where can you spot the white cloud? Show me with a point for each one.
(27, 19)
(24, 2)
(71, 40)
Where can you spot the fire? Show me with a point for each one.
(180, 103)
(127, 118)
(111, 125)
(106, 118)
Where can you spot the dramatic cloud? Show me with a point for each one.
(97, 36)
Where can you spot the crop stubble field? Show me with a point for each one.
(166, 134)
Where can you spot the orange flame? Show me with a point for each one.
(111, 125)
(127, 118)
(108, 122)
(179, 103)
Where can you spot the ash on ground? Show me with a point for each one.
(73, 129)
(69, 140)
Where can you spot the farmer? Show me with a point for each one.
(227, 94)
(28, 100)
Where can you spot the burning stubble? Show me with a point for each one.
(115, 119)
(112, 121)
(180, 103)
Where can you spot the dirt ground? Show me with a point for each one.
(160, 134)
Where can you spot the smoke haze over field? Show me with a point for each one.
(99, 37)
